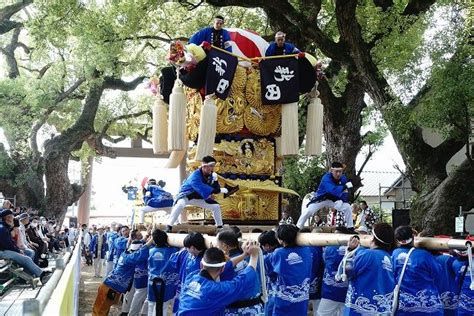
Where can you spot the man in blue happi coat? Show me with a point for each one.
(203, 294)
(216, 35)
(331, 193)
(280, 46)
(198, 190)
(155, 198)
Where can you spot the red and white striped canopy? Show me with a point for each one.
(247, 43)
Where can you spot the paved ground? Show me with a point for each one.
(88, 291)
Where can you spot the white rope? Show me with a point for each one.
(469, 257)
(341, 274)
(263, 279)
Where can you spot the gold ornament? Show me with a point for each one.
(239, 82)
(230, 114)
(263, 120)
(193, 113)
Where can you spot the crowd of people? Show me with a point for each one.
(30, 240)
(150, 277)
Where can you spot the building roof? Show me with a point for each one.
(372, 179)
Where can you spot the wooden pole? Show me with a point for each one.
(323, 239)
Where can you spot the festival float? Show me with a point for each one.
(241, 108)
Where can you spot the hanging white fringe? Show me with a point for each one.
(177, 118)
(314, 128)
(289, 129)
(207, 129)
(175, 159)
(160, 127)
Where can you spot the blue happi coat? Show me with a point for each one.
(230, 274)
(331, 189)
(287, 49)
(160, 266)
(447, 286)
(202, 296)
(292, 268)
(93, 246)
(271, 289)
(317, 268)
(185, 263)
(332, 289)
(466, 297)
(418, 292)
(120, 244)
(198, 186)
(156, 197)
(220, 38)
(111, 236)
(121, 276)
(371, 283)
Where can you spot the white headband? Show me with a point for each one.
(212, 265)
(212, 163)
(383, 242)
(405, 242)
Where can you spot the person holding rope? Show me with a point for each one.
(280, 46)
(416, 270)
(155, 198)
(215, 35)
(198, 190)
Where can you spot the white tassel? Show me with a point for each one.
(207, 129)
(289, 129)
(177, 119)
(175, 159)
(314, 128)
(278, 146)
(160, 127)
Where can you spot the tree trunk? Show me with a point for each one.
(435, 210)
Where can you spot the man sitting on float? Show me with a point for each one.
(216, 35)
(155, 198)
(280, 46)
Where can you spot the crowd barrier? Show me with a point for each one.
(60, 295)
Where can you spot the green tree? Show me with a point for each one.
(380, 48)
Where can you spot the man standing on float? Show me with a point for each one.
(198, 190)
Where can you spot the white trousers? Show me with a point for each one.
(181, 204)
(137, 302)
(152, 308)
(98, 266)
(148, 209)
(315, 304)
(127, 300)
(109, 266)
(308, 211)
(330, 308)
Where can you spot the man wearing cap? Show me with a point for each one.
(9, 251)
(216, 35)
(198, 190)
(23, 242)
(280, 47)
(98, 247)
(331, 193)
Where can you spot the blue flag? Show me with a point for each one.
(220, 73)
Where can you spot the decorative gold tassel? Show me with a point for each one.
(289, 129)
(314, 128)
(207, 129)
(160, 127)
(177, 118)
